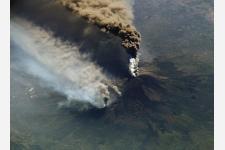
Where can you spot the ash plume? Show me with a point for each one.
(111, 16)
(59, 65)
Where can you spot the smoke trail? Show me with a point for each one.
(61, 65)
(112, 16)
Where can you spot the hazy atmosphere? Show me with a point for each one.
(111, 75)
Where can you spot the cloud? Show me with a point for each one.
(113, 16)
(59, 65)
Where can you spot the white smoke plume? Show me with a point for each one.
(60, 65)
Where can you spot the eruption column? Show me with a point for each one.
(111, 16)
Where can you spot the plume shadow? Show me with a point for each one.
(104, 49)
